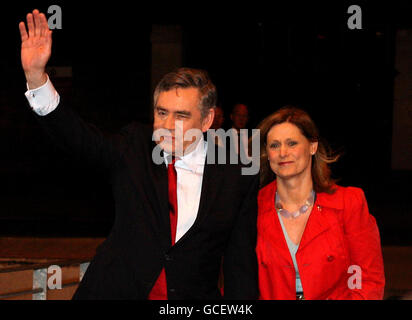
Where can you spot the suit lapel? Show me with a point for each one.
(162, 223)
(317, 224)
(322, 217)
(279, 239)
(210, 187)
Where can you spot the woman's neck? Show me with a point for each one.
(293, 192)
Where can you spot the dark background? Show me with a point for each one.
(263, 56)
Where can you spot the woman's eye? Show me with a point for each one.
(274, 145)
(292, 143)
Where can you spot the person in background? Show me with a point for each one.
(217, 124)
(218, 119)
(316, 239)
(239, 132)
(239, 116)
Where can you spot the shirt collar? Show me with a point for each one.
(194, 161)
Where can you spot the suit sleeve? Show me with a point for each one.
(82, 141)
(240, 263)
(366, 278)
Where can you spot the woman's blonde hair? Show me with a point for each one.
(321, 173)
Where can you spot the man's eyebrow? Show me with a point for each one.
(179, 112)
(185, 113)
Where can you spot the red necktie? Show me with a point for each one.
(159, 290)
(172, 176)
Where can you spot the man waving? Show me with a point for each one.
(175, 221)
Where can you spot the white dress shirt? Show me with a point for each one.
(189, 168)
(44, 99)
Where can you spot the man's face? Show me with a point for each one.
(240, 116)
(178, 109)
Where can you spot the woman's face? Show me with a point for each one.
(289, 151)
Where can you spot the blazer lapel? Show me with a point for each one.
(162, 223)
(320, 219)
(279, 239)
(317, 224)
(274, 229)
(210, 187)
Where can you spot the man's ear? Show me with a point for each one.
(208, 120)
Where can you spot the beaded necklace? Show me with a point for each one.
(285, 213)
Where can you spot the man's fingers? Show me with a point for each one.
(37, 22)
(49, 37)
(44, 25)
(23, 32)
(30, 25)
(37, 25)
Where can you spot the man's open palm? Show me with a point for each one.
(36, 43)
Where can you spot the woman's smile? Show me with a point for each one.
(284, 163)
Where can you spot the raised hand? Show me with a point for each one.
(35, 48)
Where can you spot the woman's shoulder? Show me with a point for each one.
(266, 198)
(267, 190)
(349, 192)
(342, 197)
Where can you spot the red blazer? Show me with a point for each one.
(339, 233)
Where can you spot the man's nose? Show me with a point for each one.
(169, 122)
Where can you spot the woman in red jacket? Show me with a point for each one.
(316, 240)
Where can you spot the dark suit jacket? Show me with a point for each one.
(128, 263)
